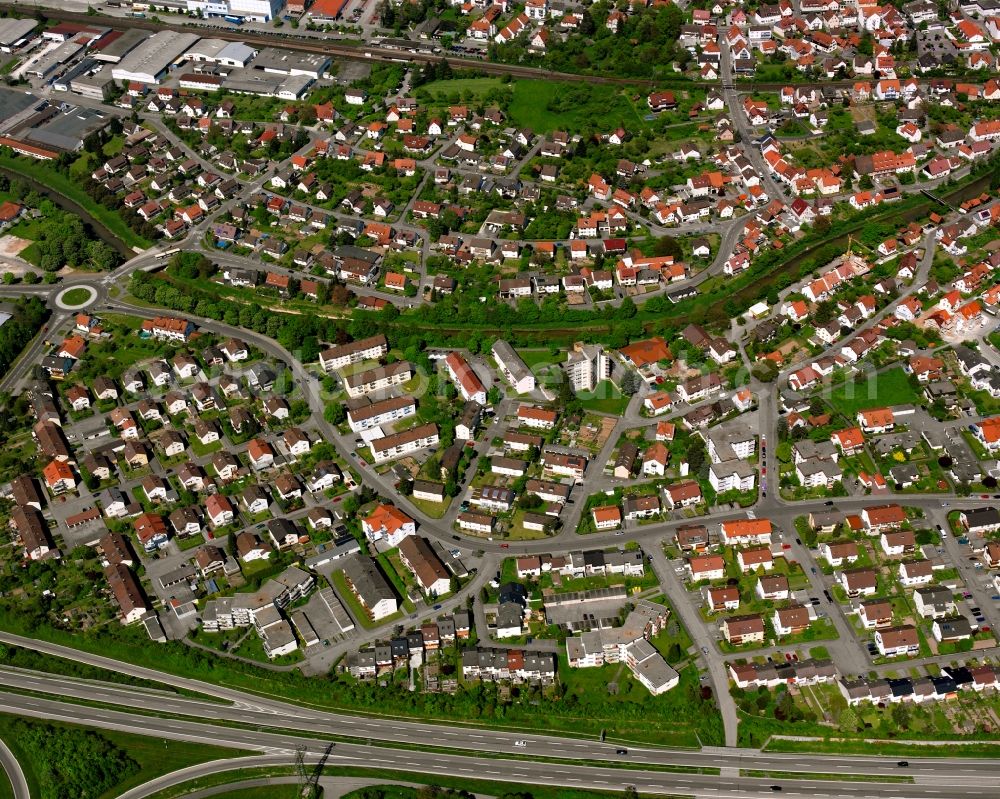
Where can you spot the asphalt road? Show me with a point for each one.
(966, 778)
(14, 772)
(274, 720)
(267, 712)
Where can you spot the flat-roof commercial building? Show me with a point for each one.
(207, 50)
(287, 62)
(149, 63)
(44, 66)
(236, 54)
(95, 84)
(66, 129)
(285, 87)
(119, 46)
(219, 51)
(81, 67)
(16, 108)
(256, 10)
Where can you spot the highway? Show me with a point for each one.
(482, 753)
(271, 723)
(961, 779)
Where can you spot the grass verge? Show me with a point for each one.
(798, 775)
(482, 787)
(887, 748)
(20, 658)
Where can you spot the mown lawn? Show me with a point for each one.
(891, 387)
(605, 398)
(461, 87)
(433, 509)
(76, 296)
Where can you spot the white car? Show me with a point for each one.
(520, 744)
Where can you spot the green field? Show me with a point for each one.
(545, 106)
(605, 398)
(463, 88)
(534, 358)
(891, 387)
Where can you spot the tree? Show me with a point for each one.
(848, 720)
(529, 501)
(307, 114)
(901, 715)
(696, 455)
(90, 480)
(72, 761)
(101, 255)
(564, 391)
(785, 708)
(335, 413)
(765, 371)
(630, 382)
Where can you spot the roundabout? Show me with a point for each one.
(76, 298)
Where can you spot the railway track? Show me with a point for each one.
(364, 52)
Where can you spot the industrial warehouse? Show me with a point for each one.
(97, 63)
